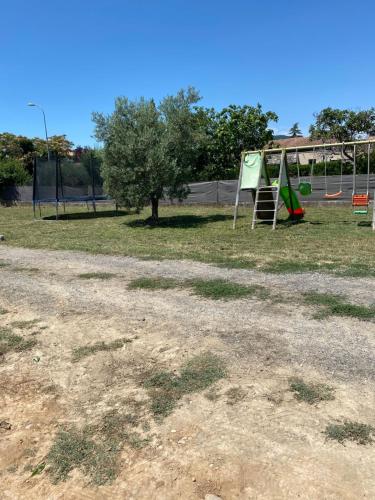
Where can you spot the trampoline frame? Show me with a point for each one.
(57, 199)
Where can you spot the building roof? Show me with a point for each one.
(291, 142)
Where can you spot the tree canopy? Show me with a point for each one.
(149, 148)
(343, 125)
(226, 134)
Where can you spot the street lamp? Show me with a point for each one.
(32, 104)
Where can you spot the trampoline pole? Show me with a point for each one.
(40, 211)
(57, 188)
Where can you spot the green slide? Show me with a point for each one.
(291, 202)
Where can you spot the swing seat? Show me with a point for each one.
(333, 195)
(360, 200)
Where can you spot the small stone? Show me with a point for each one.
(5, 425)
(173, 430)
(210, 496)
(2, 237)
(194, 480)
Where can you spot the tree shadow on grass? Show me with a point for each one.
(180, 221)
(88, 215)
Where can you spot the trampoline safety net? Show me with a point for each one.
(67, 181)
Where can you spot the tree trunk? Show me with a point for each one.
(155, 210)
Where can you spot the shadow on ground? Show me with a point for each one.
(88, 215)
(180, 221)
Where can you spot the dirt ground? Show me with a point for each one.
(267, 445)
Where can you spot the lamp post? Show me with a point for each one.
(32, 104)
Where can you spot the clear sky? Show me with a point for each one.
(75, 57)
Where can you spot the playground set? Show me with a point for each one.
(270, 195)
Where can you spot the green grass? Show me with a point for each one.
(3, 263)
(309, 392)
(351, 431)
(166, 388)
(335, 305)
(97, 276)
(158, 283)
(219, 289)
(215, 289)
(331, 239)
(88, 350)
(10, 342)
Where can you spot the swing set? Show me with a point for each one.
(269, 196)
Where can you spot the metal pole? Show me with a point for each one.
(34, 185)
(93, 184)
(45, 129)
(57, 188)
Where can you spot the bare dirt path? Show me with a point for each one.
(263, 445)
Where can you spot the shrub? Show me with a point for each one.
(12, 172)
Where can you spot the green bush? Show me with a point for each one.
(12, 173)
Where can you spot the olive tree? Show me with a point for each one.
(149, 148)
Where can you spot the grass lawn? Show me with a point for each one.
(330, 238)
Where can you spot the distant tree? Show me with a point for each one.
(12, 172)
(228, 133)
(58, 145)
(149, 149)
(17, 147)
(295, 131)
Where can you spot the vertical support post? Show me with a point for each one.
(217, 192)
(93, 183)
(354, 169)
(57, 187)
(285, 166)
(34, 185)
(281, 170)
(238, 192)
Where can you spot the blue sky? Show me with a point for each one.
(75, 57)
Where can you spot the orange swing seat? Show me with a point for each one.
(333, 195)
(360, 200)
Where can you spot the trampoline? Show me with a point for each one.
(62, 181)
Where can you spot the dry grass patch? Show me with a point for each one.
(97, 276)
(89, 350)
(158, 283)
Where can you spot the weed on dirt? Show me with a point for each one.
(89, 350)
(75, 449)
(97, 276)
(215, 289)
(235, 395)
(351, 431)
(311, 393)
(335, 305)
(225, 290)
(24, 325)
(16, 343)
(95, 449)
(166, 388)
(158, 283)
